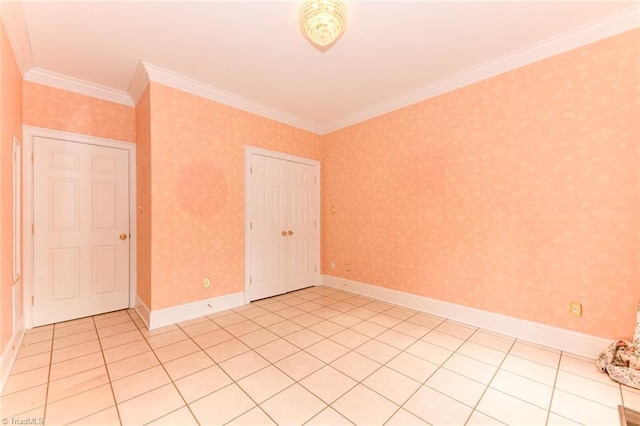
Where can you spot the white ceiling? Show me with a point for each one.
(391, 50)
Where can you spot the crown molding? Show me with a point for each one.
(14, 22)
(71, 84)
(600, 29)
(13, 18)
(198, 88)
(139, 83)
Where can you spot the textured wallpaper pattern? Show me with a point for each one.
(58, 109)
(143, 196)
(10, 125)
(515, 195)
(197, 191)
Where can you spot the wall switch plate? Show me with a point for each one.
(575, 309)
(207, 282)
(347, 267)
(333, 265)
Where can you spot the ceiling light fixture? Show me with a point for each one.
(323, 21)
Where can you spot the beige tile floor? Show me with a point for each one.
(318, 356)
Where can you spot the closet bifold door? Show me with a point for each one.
(283, 226)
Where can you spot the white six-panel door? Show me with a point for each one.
(81, 230)
(283, 219)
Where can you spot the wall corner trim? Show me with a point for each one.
(174, 314)
(14, 22)
(139, 83)
(553, 337)
(10, 353)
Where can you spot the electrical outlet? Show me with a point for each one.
(575, 309)
(333, 265)
(207, 282)
(347, 267)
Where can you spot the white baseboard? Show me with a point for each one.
(161, 317)
(554, 337)
(143, 311)
(10, 353)
(16, 305)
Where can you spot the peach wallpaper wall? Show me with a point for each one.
(10, 125)
(514, 195)
(143, 187)
(197, 191)
(59, 109)
(5, 289)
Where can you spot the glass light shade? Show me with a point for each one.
(323, 21)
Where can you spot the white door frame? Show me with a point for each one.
(28, 135)
(249, 150)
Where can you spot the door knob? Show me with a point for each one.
(290, 232)
(284, 233)
(123, 236)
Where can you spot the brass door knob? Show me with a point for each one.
(123, 236)
(290, 232)
(284, 233)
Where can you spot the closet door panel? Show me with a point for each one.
(268, 245)
(302, 219)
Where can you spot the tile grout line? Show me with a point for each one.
(51, 366)
(424, 383)
(326, 335)
(215, 363)
(488, 385)
(360, 382)
(104, 360)
(46, 395)
(400, 406)
(233, 382)
(299, 350)
(161, 364)
(586, 398)
(553, 388)
(295, 382)
(375, 338)
(325, 364)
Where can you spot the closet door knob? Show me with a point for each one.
(290, 232)
(284, 233)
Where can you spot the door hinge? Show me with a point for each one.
(251, 170)
(315, 223)
(32, 160)
(33, 298)
(33, 229)
(250, 280)
(315, 268)
(250, 225)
